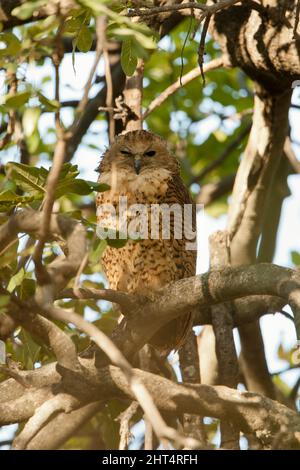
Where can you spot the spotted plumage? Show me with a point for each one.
(139, 166)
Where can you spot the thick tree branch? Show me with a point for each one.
(247, 411)
(207, 289)
(272, 59)
(254, 182)
(141, 394)
(56, 432)
(28, 221)
(222, 321)
(61, 402)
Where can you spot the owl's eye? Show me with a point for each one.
(150, 153)
(125, 152)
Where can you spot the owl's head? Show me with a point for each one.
(138, 152)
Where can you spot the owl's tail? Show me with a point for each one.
(172, 335)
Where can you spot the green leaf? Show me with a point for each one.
(27, 288)
(4, 299)
(30, 348)
(84, 39)
(69, 170)
(99, 187)
(16, 280)
(128, 58)
(25, 11)
(50, 105)
(295, 257)
(13, 44)
(30, 120)
(33, 142)
(74, 186)
(107, 322)
(97, 251)
(18, 100)
(73, 24)
(9, 255)
(42, 28)
(145, 41)
(9, 200)
(30, 179)
(116, 243)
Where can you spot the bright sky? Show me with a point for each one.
(276, 328)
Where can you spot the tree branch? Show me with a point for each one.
(184, 8)
(180, 82)
(61, 270)
(43, 413)
(253, 183)
(141, 394)
(208, 289)
(224, 155)
(56, 432)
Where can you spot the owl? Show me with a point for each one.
(139, 166)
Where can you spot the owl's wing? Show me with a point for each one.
(177, 193)
(173, 334)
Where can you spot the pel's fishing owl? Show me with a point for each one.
(138, 165)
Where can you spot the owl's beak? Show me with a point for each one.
(137, 164)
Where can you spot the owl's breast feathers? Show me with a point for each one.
(146, 265)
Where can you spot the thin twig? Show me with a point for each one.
(291, 156)
(148, 444)
(57, 57)
(126, 301)
(227, 151)
(283, 371)
(183, 47)
(7, 442)
(287, 315)
(188, 77)
(10, 129)
(10, 244)
(201, 49)
(152, 11)
(100, 26)
(109, 90)
(297, 18)
(78, 275)
(58, 160)
(52, 180)
(125, 418)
